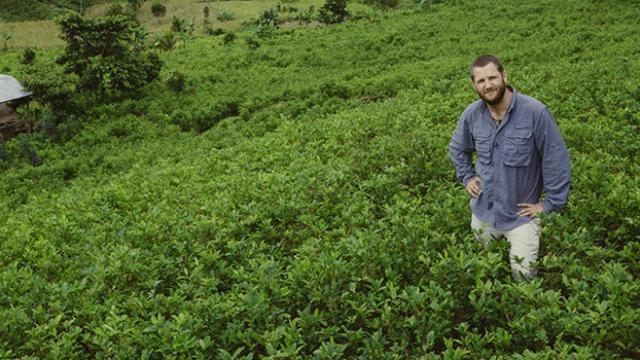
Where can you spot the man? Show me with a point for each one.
(520, 153)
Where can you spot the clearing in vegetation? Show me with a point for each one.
(225, 15)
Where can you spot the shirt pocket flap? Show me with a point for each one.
(519, 133)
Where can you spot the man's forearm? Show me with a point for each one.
(463, 164)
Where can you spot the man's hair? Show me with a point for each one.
(484, 60)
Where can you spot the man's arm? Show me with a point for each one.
(461, 150)
(556, 166)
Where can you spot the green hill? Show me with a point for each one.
(310, 208)
(22, 10)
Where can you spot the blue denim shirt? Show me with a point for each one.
(516, 161)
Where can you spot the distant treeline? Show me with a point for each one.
(21, 10)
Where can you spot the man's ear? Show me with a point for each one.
(504, 76)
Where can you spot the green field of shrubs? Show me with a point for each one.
(294, 198)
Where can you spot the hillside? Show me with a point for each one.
(24, 10)
(24, 31)
(297, 200)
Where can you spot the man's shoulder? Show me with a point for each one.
(528, 103)
(473, 109)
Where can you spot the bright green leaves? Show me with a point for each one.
(315, 213)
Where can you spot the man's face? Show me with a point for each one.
(489, 83)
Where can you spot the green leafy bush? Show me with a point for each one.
(252, 42)
(223, 16)
(176, 81)
(333, 12)
(178, 24)
(158, 9)
(28, 56)
(33, 157)
(182, 28)
(218, 31)
(52, 86)
(229, 38)
(166, 40)
(268, 18)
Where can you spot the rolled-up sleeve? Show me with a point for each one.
(556, 166)
(461, 150)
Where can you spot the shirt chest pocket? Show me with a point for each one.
(483, 148)
(518, 147)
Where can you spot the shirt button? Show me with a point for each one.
(495, 145)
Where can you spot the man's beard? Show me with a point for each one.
(501, 90)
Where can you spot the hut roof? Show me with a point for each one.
(10, 89)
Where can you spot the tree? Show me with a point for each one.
(183, 28)
(267, 23)
(206, 22)
(52, 87)
(107, 54)
(333, 12)
(166, 40)
(158, 9)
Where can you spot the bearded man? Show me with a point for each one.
(520, 155)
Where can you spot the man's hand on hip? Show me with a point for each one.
(473, 187)
(531, 210)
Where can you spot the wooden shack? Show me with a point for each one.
(11, 95)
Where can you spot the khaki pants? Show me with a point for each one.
(524, 241)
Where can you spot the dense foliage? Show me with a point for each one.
(157, 9)
(104, 59)
(52, 88)
(313, 212)
(333, 12)
(107, 54)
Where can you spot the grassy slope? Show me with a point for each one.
(317, 216)
(44, 33)
(20, 10)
